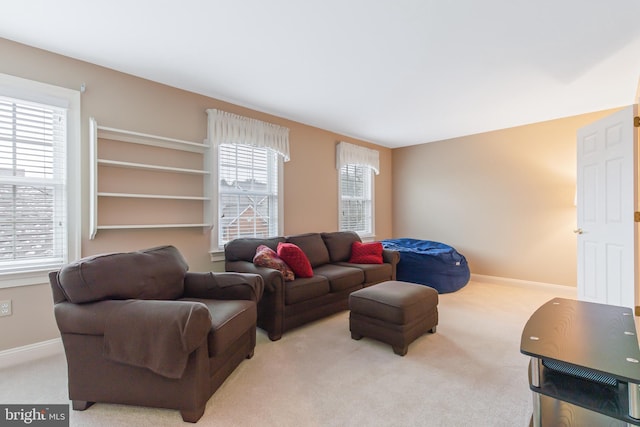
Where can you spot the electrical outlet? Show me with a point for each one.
(5, 308)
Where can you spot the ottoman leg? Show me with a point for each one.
(355, 336)
(400, 351)
(433, 330)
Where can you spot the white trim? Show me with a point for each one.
(214, 183)
(25, 278)
(74, 171)
(217, 256)
(524, 283)
(372, 191)
(28, 353)
(34, 91)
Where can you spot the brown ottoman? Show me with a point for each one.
(393, 312)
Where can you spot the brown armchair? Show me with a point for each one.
(138, 329)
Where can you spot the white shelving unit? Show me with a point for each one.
(107, 133)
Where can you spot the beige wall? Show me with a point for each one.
(123, 101)
(505, 199)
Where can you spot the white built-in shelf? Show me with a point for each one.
(149, 226)
(144, 166)
(105, 132)
(113, 134)
(152, 196)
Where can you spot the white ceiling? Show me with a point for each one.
(392, 72)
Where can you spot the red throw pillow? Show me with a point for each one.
(267, 257)
(296, 259)
(366, 253)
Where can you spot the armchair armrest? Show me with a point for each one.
(154, 334)
(157, 335)
(226, 286)
(272, 278)
(85, 319)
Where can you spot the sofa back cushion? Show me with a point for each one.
(313, 246)
(339, 244)
(244, 248)
(155, 273)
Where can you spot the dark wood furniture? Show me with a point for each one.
(585, 364)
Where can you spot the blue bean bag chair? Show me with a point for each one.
(430, 263)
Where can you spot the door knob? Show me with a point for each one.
(578, 231)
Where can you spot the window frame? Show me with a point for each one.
(217, 248)
(370, 233)
(44, 93)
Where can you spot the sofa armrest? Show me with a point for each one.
(225, 286)
(392, 257)
(272, 278)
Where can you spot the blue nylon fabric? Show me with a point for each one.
(434, 264)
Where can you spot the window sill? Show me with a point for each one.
(367, 238)
(216, 256)
(14, 280)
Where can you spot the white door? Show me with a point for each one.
(606, 201)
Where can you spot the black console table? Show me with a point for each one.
(585, 364)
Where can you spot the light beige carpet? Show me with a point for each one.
(470, 372)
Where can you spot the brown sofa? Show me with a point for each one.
(286, 305)
(138, 329)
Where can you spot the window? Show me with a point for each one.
(37, 203)
(247, 183)
(356, 166)
(356, 200)
(247, 192)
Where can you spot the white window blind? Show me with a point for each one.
(33, 232)
(249, 158)
(356, 201)
(356, 165)
(247, 192)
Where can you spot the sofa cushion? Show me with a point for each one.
(303, 289)
(339, 243)
(267, 257)
(155, 273)
(366, 253)
(313, 246)
(296, 259)
(230, 319)
(373, 273)
(244, 248)
(340, 277)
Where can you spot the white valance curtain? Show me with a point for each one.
(228, 128)
(351, 154)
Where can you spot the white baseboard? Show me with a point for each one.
(569, 290)
(27, 353)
